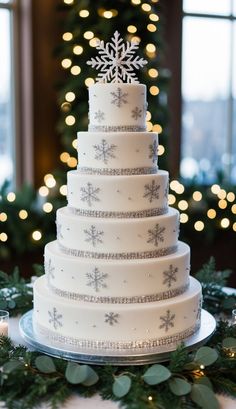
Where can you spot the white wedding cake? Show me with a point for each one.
(117, 278)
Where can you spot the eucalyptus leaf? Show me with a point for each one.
(229, 342)
(121, 386)
(204, 380)
(91, 378)
(11, 304)
(179, 386)
(45, 364)
(11, 366)
(156, 374)
(204, 397)
(74, 374)
(206, 356)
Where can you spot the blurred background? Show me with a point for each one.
(191, 81)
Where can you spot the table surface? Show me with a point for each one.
(76, 402)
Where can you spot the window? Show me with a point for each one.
(7, 97)
(209, 90)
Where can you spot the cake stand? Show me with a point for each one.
(103, 357)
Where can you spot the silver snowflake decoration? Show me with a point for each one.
(99, 116)
(96, 279)
(119, 98)
(55, 318)
(59, 233)
(136, 113)
(153, 151)
(151, 191)
(199, 310)
(49, 269)
(93, 236)
(116, 60)
(104, 151)
(111, 318)
(156, 235)
(170, 275)
(167, 321)
(89, 194)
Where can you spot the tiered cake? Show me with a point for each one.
(117, 277)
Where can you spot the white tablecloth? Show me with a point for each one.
(76, 402)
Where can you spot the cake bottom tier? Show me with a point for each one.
(115, 326)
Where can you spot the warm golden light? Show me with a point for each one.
(199, 225)
(179, 189)
(154, 17)
(171, 199)
(135, 39)
(70, 120)
(49, 180)
(43, 191)
(160, 150)
(222, 204)
(78, 49)
(197, 196)
(151, 48)
(136, 2)
(132, 29)
(174, 184)
(72, 162)
(3, 237)
(152, 28)
(3, 217)
(89, 81)
(65, 107)
(36, 235)
(108, 14)
(93, 42)
(230, 197)
(157, 128)
(23, 214)
(47, 207)
(211, 213)
(234, 226)
(225, 223)
(149, 126)
(215, 189)
(11, 197)
(88, 35)
(150, 398)
(183, 205)
(64, 156)
(148, 116)
(146, 7)
(84, 13)
(183, 218)
(67, 36)
(63, 190)
(154, 90)
(153, 73)
(222, 194)
(70, 96)
(66, 63)
(233, 209)
(75, 70)
(75, 143)
(68, 1)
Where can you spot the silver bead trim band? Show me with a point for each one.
(115, 345)
(117, 172)
(116, 128)
(119, 215)
(119, 300)
(118, 256)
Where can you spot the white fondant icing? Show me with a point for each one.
(117, 235)
(115, 103)
(123, 278)
(117, 193)
(116, 322)
(133, 149)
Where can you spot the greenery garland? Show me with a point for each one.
(187, 381)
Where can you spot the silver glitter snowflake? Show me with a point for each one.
(89, 194)
(153, 151)
(167, 321)
(55, 318)
(49, 269)
(136, 113)
(99, 116)
(151, 191)
(59, 233)
(93, 236)
(111, 318)
(156, 235)
(116, 61)
(104, 151)
(119, 98)
(170, 275)
(96, 279)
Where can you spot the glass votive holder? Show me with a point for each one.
(4, 323)
(233, 320)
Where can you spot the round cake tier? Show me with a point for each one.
(118, 196)
(117, 107)
(117, 238)
(117, 152)
(115, 326)
(117, 281)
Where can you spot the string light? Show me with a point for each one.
(43, 190)
(180, 189)
(148, 116)
(68, 1)
(93, 42)
(11, 197)
(215, 189)
(75, 143)
(70, 96)
(154, 17)
(75, 70)
(67, 36)
(135, 39)
(78, 49)
(154, 90)
(221, 194)
(108, 14)
(234, 227)
(161, 150)
(230, 197)
(23, 214)
(36, 235)
(150, 398)
(151, 48)
(84, 13)
(66, 63)
(199, 225)
(233, 209)
(136, 2)
(152, 28)
(65, 107)
(174, 184)
(89, 81)
(70, 120)
(171, 199)
(183, 205)
(225, 223)
(64, 156)
(222, 204)
(197, 196)
(211, 213)
(153, 73)
(183, 218)
(132, 29)
(3, 237)
(146, 7)
(157, 128)
(149, 126)
(202, 366)
(88, 35)
(3, 217)
(63, 190)
(72, 162)
(47, 207)
(49, 180)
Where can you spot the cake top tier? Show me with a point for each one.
(116, 61)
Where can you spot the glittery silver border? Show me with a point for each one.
(119, 215)
(119, 256)
(116, 128)
(115, 345)
(117, 172)
(119, 300)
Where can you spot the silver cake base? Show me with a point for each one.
(103, 357)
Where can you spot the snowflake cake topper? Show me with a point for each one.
(116, 61)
